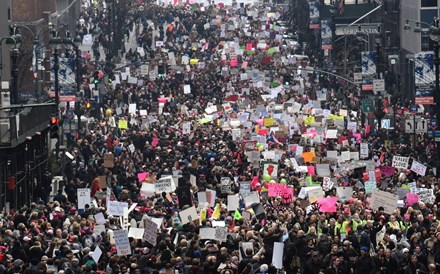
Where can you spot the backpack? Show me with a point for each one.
(324, 245)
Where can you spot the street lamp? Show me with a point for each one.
(57, 41)
(434, 35)
(14, 70)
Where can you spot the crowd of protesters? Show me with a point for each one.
(223, 105)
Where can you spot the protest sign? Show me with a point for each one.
(109, 160)
(426, 195)
(225, 184)
(418, 168)
(150, 231)
(270, 169)
(383, 199)
(344, 193)
(135, 233)
(83, 195)
(245, 187)
(364, 151)
(369, 186)
(277, 256)
(233, 202)
(97, 254)
(327, 204)
(165, 184)
(116, 208)
(121, 242)
(275, 190)
(400, 162)
(188, 215)
(252, 198)
(411, 199)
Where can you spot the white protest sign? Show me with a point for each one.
(187, 89)
(400, 162)
(186, 128)
(188, 215)
(233, 202)
(207, 233)
(251, 198)
(150, 233)
(136, 233)
(83, 197)
(148, 189)
(121, 242)
(344, 193)
(383, 199)
(277, 256)
(364, 150)
(165, 184)
(327, 184)
(116, 208)
(221, 233)
(418, 168)
(97, 254)
(132, 108)
(99, 218)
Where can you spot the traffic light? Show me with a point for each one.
(96, 77)
(54, 127)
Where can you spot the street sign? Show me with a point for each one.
(378, 85)
(367, 105)
(359, 28)
(419, 125)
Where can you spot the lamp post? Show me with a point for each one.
(434, 35)
(56, 41)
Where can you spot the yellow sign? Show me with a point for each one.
(123, 124)
(268, 122)
(193, 61)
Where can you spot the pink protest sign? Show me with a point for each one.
(142, 176)
(276, 190)
(327, 204)
(287, 196)
(155, 142)
(311, 170)
(234, 63)
(411, 199)
(249, 46)
(387, 170)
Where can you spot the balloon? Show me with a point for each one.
(272, 182)
(266, 177)
(257, 144)
(283, 181)
(261, 148)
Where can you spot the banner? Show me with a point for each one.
(424, 68)
(314, 14)
(368, 59)
(326, 34)
(66, 73)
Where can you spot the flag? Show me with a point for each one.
(202, 215)
(216, 213)
(237, 215)
(272, 139)
(254, 182)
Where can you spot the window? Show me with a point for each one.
(429, 3)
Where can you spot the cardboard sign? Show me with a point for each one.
(385, 199)
(102, 182)
(109, 160)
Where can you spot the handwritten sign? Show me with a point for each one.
(150, 234)
(109, 160)
(383, 199)
(418, 168)
(165, 184)
(116, 208)
(400, 162)
(83, 197)
(121, 242)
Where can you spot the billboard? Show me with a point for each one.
(424, 77)
(314, 14)
(368, 61)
